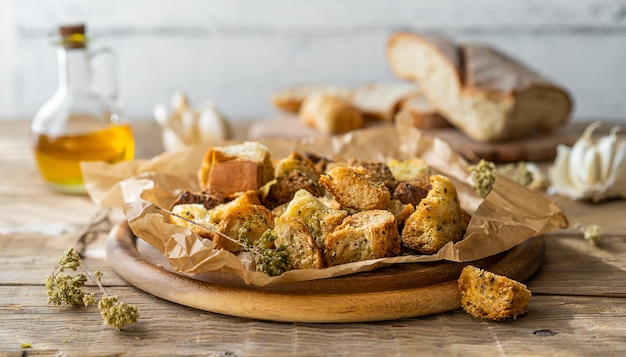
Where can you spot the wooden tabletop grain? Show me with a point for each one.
(578, 305)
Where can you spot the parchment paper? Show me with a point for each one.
(508, 216)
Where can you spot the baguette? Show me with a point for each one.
(483, 92)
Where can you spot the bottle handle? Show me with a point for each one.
(111, 87)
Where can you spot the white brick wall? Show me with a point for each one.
(236, 53)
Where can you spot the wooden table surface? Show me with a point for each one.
(578, 305)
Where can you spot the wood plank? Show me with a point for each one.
(591, 324)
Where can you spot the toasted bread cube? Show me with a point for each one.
(296, 161)
(409, 170)
(437, 220)
(365, 235)
(245, 224)
(400, 210)
(303, 250)
(220, 211)
(317, 217)
(195, 212)
(285, 186)
(237, 168)
(353, 189)
(490, 296)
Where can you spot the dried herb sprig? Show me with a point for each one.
(270, 259)
(518, 172)
(484, 176)
(66, 289)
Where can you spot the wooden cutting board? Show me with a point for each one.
(395, 292)
(536, 147)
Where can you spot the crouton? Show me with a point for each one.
(317, 217)
(489, 296)
(365, 235)
(303, 250)
(352, 189)
(437, 220)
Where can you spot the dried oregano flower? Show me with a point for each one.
(117, 314)
(484, 175)
(64, 289)
(518, 173)
(270, 259)
(593, 234)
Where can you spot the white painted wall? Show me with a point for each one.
(235, 53)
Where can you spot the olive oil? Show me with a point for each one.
(59, 157)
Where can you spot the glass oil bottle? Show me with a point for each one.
(78, 123)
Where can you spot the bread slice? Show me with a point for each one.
(330, 114)
(290, 99)
(351, 187)
(228, 170)
(480, 90)
(319, 219)
(381, 100)
(365, 235)
(437, 220)
(490, 296)
(303, 250)
(421, 113)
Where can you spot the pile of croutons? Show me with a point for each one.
(325, 212)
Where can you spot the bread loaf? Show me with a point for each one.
(484, 93)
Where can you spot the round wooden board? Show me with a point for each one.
(395, 292)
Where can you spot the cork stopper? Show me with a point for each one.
(73, 36)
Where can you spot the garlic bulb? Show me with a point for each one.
(186, 126)
(590, 170)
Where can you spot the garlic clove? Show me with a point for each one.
(588, 170)
(161, 115)
(606, 147)
(212, 125)
(189, 127)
